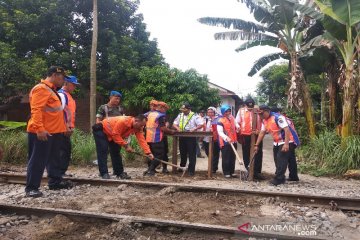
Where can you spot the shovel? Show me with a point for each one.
(184, 169)
(237, 156)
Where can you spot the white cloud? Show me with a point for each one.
(185, 43)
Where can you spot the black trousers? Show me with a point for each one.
(187, 146)
(102, 148)
(283, 160)
(166, 151)
(41, 155)
(158, 150)
(65, 153)
(246, 147)
(228, 159)
(216, 154)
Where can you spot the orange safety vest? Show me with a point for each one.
(214, 129)
(275, 131)
(229, 129)
(153, 131)
(246, 120)
(46, 110)
(120, 127)
(70, 109)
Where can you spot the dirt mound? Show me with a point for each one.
(124, 230)
(166, 191)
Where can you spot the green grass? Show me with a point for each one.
(326, 155)
(83, 148)
(14, 145)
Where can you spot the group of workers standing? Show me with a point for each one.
(53, 121)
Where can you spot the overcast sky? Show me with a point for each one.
(185, 43)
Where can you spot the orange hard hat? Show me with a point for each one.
(154, 102)
(163, 104)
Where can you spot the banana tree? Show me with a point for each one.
(347, 13)
(279, 27)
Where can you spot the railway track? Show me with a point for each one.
(225, 231)
(333, 202)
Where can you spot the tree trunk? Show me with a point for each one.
(323, 100)
(93, 65)
(332, 72)
(348, 106)
(299, 94)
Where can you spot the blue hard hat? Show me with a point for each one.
(224, 108)
(72, 79)
(115, 93)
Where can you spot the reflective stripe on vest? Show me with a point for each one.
(229, 130)
(276, 132)
(153, 131)
(47, 108)
(246, 121)
(69, 109)
(183, 124)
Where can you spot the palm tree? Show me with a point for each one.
(347, 13)
(279, 26)
(93, 65)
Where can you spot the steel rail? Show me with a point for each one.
(343, 203)
(216, 229)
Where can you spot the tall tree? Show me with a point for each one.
(93, 64)
(348, 14)
(279, 27)
(172, 86)
(273, 85)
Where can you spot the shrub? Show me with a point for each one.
(14, 145)
(325, 154)
(83, 147)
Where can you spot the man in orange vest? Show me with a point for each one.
(227, 135)
(244, 118)
(155, 129)
(45, 129)
(109, 134)
(284, 143)
(69, 106)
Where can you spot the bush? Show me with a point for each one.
(325, 154)
(83, 148)
(14, 145)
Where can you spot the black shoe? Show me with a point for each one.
(123, 176)
(61, 185)
(34, 194)
(292, 179)
(276, 182)
(150, 173)
(105, 176)
(180, 170)
(191, 174)
(165, 171)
